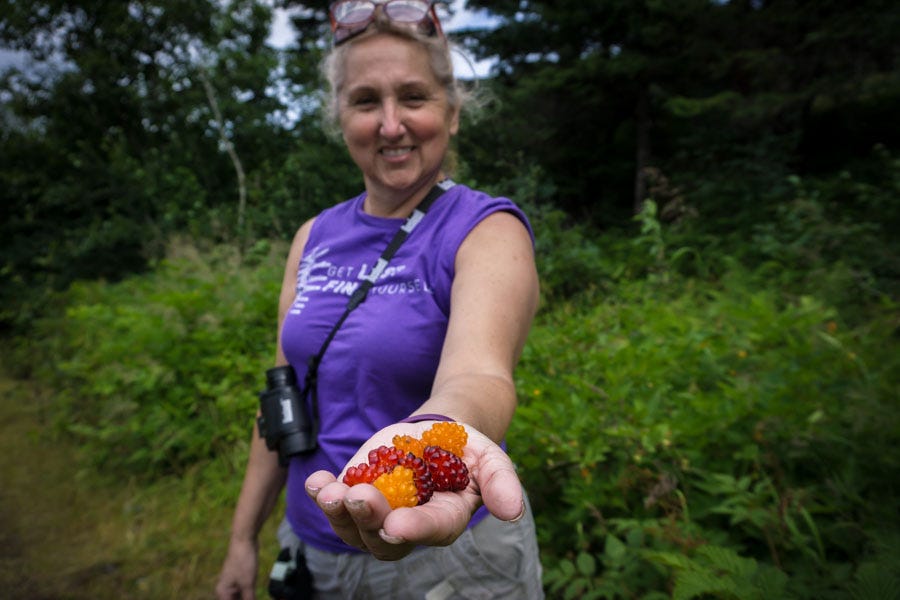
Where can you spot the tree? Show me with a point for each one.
(114, 147)
(595, 92)
(590, 79)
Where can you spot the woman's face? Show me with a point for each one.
(395, 117)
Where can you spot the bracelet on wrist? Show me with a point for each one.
(427, 417)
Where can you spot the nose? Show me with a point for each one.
(392, 126)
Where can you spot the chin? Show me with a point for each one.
(400, 184)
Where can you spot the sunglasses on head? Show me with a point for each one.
(352, 17)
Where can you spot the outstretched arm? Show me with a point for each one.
(493, 301)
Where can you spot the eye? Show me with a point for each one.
(361, 97)
(414, 97)
(363, 100)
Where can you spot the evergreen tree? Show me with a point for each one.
(716, 91)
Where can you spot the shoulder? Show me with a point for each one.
(481, 204)
(298, 244)
(323, 224)
(328, 217)
(499, 236)
(465, 209)
(463, 194)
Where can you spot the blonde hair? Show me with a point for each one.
(333, 68)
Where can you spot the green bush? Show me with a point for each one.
(670, 419)
(571, 262)
(836, 235)
(160, 371)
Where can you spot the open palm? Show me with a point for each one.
(361, 516)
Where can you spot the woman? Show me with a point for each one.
(437, 338)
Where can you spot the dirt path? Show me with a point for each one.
(46, 516)
(66, 533)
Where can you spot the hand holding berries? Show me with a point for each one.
(363, 517)
(432, 464)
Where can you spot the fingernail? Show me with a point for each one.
(312, 491)
(358, 507)
(390, 539)
(520, 516)
(331, 505)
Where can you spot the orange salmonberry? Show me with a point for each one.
(449, 436)
(398, 487)
(407, 443)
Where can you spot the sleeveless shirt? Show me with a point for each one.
(381, 363)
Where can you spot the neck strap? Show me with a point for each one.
(411, 221)
(359, 295)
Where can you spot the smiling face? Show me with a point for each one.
(395, 119)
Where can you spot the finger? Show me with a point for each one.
(369, 508)
(315, 482)
(496, 479)
(223, 592)
(438, 522)
(330, 499)
(234, 591)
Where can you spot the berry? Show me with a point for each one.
(449, 436)
(386, 455)
(381, 460)
(398, 487)
(448, 471)
(360, 474)
(424, 483)
(409, 444)
(411, 470)
(384, 460)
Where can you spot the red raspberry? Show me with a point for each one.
(383, 460)
(386, 455)
(448, 471)
(424, 483)
(360, 474)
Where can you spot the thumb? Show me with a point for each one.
(501, 490)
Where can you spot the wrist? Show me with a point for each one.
(244, 535)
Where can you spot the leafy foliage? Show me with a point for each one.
(828, 234)
(158, 372)
(683, 432)
(716, 437)
(709, 396)
(111, 146)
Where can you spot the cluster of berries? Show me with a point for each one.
(411, 470)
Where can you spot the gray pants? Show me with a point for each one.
(494, 560)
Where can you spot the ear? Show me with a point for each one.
(454, 121)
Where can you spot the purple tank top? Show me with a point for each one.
(381, 363)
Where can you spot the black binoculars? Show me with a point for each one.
(283, 420)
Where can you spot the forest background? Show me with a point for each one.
(709, 397)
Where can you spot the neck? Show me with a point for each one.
(381, 202)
